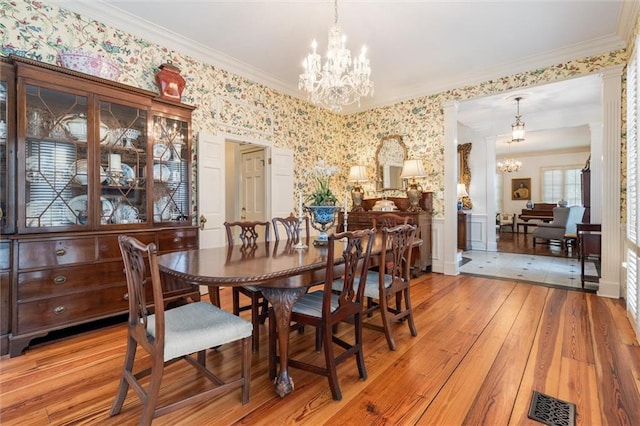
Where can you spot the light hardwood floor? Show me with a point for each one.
(483, 346)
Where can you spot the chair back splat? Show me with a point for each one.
(170, 335)
(324, 309)
(249, 233)
(292, 227)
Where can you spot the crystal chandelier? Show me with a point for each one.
(508, 165)
(517, 128)
(336, 83)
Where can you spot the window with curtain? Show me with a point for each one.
(633, 183)
(562, 183)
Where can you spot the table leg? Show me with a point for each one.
(282, 300)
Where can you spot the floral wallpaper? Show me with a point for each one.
(236, 105)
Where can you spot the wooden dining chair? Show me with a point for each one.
(323, 309)
(291, 225)
(249, 234)
(392, 282)
(171, 335)
(389, 220)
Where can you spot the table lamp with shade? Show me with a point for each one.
(357, 174)
(461, 193)
(411, 169)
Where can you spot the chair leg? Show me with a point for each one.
(264, 309)
(330, 361)
(255, 321)
(357, 323)
(236, 301)
(246, 370)
(124, 383)
(149, 405)
(409, 308)
(386, 323)
(214, 296)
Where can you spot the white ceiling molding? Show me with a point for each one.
(102, 12)
(118, 18)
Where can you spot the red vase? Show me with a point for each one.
(170, 82)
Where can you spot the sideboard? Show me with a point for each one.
(363, 219)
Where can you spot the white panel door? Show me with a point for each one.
(252, 207)
(282, 198)
(211, 190)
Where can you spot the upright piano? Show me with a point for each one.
(540, 211)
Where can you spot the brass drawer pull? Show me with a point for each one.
(58, 310)
(177, 240)
(60, 252)
(60, 279)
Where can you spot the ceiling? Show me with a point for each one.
(415, 47)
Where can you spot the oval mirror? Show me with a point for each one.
(390, 157)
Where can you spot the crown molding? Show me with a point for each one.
(124, 21)
(628, 18)
(110, 15)
(577, 51)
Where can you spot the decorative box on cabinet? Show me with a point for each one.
(95, 159)
(364, 219)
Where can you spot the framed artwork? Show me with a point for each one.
(521, 189)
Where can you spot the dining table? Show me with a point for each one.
(283, 273)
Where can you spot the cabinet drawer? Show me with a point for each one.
(32, 254)
(179, 239)
(5, 254)
(63, 310)
(52, 282)
(108, 247)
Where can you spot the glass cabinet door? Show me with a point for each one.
(123, 159)
(56, 167)
(170, 170)
(7, 138)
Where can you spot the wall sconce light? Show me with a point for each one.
(357, 174)
(412, 169)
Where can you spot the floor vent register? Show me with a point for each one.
(551, 411)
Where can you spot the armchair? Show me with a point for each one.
(562, 228)
(506, 220)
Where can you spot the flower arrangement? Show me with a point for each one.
(322, 195)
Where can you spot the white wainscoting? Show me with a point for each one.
(437, 245)
(479, 231)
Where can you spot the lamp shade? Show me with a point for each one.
(412, 168)
(462, 191)
(358, 174)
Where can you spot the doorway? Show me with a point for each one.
(554, 113)
(219, 183)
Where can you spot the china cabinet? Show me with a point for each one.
(95, 159)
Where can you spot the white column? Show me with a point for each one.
(490, 185)
(596, 172)
(610, 182)
(450, 243)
